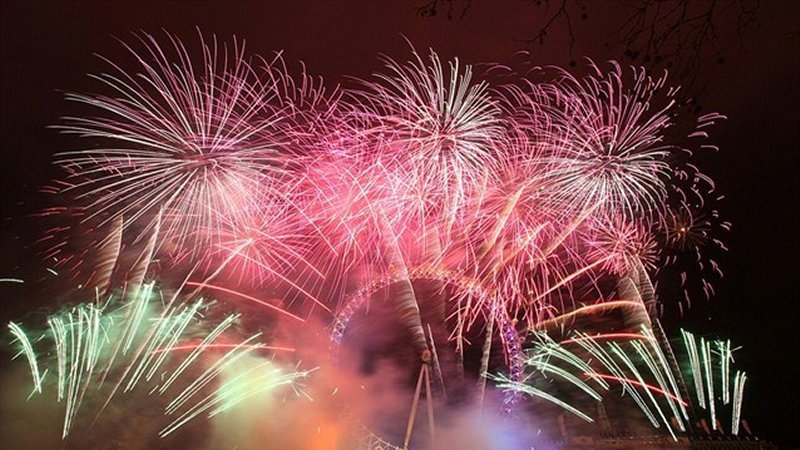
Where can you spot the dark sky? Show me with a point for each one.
(752, 77)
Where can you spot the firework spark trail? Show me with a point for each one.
(235, 391)
(550, 350)
(59, 333)
(637, 364)
(169, 331)
(27, 350)
(609, 363)
(503, 383)
(78, 341)
(268, 246)
(705, 353)
(613, 152)
(694, 361)
(738, 394)
(198, 350)
(194, 347)
(724, 352)
(12, 280)
(602, 336)
(196, 385)
(661, 373)
(662, 360)
(246, 297)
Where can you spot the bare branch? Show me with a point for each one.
(453, 8)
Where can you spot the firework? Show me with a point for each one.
(441, 129)
(633, 362)
(637, 364)
(193, 143)
(276, 178)
(503, 212)
(121, 347)
(715, 386)
(607, 141)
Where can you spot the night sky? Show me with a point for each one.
(749, 73)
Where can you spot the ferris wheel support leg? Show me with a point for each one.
(414, 404)
(487, 350)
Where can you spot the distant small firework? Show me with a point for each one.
(625, 243)
(692, 243)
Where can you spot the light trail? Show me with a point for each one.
(246, 297)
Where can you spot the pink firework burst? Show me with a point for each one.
(441, 130)
(607, 140)
(185, 139)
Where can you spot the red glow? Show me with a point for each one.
(245, 296)
(638, 383)
(223, 346)
(606, 336)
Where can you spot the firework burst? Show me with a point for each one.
(607, 141)
(441, 129)
(183, 139)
